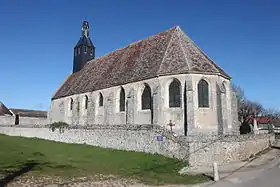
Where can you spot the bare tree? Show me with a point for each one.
(249, 109)
(239, 92)
(246, 109)
(274, 116)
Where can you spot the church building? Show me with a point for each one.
(163, 78)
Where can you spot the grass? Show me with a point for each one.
(75, 160)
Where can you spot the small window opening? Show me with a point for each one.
(122, 100)
(71, 104)
(86, 102)
(100, 99)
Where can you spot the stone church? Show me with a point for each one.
(163, 78)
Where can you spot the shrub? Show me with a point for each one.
(59, 125)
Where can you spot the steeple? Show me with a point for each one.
(84, 50)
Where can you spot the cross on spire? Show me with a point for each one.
(85, 29)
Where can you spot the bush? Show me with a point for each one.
(245, 129)
(59, 125)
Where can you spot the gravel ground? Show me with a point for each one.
(97, 181)
(29, 181)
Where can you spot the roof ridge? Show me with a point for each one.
(133, 43)
(181, 46)
(212, 61)
(1, 103)
(165, 53)
(221, 71)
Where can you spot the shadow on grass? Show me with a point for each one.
(24, 169)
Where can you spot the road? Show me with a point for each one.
(269, 178)
(264, 172)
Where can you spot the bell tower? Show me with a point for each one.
(84, 49)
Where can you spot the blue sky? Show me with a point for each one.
(37, 39)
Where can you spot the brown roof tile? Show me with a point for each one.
(168, 52)
(4, 110)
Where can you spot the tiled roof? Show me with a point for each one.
(4, 110)
(29, 113)
(166, 53)
(260, 119)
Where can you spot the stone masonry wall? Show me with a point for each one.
(7, 120)
(206, 150)
(32, 120)
(199, 150)
(10, 120)
(141, 138)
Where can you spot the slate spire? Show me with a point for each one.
(84, 50)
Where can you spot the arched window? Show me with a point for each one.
(71, 104)
(175, 94)
(86, 102)
(122, 100)
(146, 98)
(100, 99)
(203, 93)
(85, 49)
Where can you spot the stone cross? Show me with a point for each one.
(171, 125)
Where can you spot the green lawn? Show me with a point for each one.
(82, 160)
